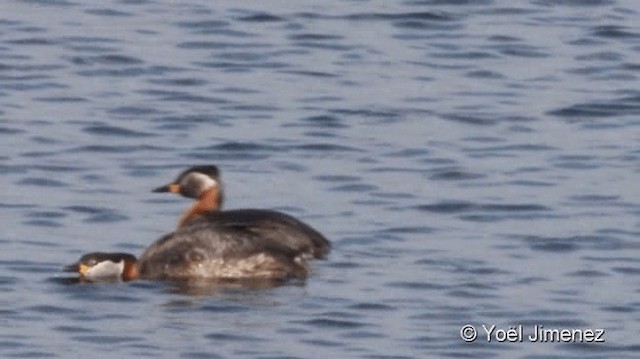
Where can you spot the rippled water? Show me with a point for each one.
(473, 162)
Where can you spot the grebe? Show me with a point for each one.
(203, 184)
(197, 252)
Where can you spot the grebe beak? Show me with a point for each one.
(172, 187)
(75, 267)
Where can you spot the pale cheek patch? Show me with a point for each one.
(106, 270)
(199, 182)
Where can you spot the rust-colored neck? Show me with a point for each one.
(130, 271)
(210, 200)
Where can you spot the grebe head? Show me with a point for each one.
(101, 267)
(201, 183)
(195, 181)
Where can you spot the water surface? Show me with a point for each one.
(473, 162)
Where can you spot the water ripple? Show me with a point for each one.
(107, 130)
(261, 17)
(464, 207)
(97, 214)
(570, 244)
(595, 110)
(108, 59)
(42, 182)
(325, 323)
(108, 13)
(614, 32)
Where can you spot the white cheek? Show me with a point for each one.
(106, 270)
(203, 181)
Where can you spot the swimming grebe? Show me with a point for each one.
(99, 266)
(203, 184)
(196, 252)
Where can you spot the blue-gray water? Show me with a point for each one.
(473, 162)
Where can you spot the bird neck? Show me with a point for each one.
(209, 201)
(130, 271)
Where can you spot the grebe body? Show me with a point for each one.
(201, 251)
(203, 184)
(197, 252)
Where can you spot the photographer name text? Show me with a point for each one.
(533, 334)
